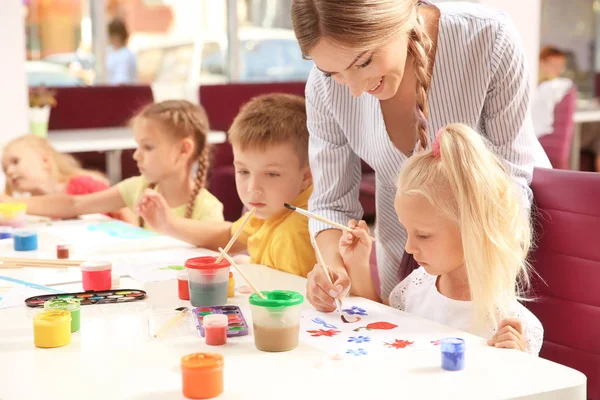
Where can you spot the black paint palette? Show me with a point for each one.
(91, 297)
(236, 323)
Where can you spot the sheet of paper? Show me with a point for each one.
(377, 332)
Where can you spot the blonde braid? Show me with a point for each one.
(419, 45)
(198, 182)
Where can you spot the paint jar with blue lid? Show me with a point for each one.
(5, 232)
(453, 354)
(25, 240)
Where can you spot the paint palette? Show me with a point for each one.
(236, 326)
(91, 297)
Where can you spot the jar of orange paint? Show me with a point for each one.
(202, 375)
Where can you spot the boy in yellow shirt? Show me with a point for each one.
(270, 150)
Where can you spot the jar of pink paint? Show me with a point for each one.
(96, 275)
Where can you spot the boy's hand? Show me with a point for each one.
(509, 335)
(154, 209)
(355, 247)
(321, 293)
(4, 198)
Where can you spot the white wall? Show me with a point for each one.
(526, 16)
(13, 89)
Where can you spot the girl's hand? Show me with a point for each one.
(509, 335)
(4, 198)
(355, 247)
(154, 209)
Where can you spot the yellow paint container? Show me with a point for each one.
(52, 328)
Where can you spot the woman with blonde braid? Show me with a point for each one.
(388, 74)
(172, 138)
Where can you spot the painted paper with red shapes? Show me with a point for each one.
(377, 326)
(399, 344)
(323, 332)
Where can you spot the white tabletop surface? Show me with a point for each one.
(104, 139)
(113, 356)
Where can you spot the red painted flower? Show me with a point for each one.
(386, 326)
(323, 332)
(400, 344)
(435, 342)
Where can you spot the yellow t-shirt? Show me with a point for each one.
(207, 207)
(282, 241)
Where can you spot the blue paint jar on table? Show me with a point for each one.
(25, 240)
(453, 354)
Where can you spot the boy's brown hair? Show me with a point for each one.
(272, 119)
(551, 51)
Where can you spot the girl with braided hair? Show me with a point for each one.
(388, 74)
(172, 137)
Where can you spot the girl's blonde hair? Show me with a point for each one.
(62, 166)
(363, 25)
(467, 183)
(182, 119)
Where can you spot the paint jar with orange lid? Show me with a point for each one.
(52, 328)
(202, 375)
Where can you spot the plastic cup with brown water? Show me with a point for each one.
(276, 320)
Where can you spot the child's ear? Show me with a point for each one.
(306, 178)
(187, 147)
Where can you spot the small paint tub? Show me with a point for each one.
(52, 328)
(202, 375)
(215, 329)
(453, 354)
(96, 275)
(231, 285)
(62, 251)
(13, 214)
(25, 240)
(71, 305)
(183, 288)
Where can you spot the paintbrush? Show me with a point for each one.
(234, 265)
(172, 321)
(235, 236)
(338, 302)
(319, 218)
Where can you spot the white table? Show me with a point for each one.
(113, 357)
(581, 116)
(111, 140)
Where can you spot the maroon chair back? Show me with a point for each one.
(99, 107)
(557, 145)
(567, 259)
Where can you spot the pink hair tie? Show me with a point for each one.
(435, 146)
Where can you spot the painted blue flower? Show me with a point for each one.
(357, 352)
(355, 311)
(359, 339)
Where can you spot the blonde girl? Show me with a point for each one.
(31, 165)
(388, 74)
(470, 235)
(172, 140)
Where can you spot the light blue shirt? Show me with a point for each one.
(480, 78)
(121, 66)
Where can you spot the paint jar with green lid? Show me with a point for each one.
(276, 319)
(71, 305)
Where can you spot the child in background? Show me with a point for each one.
(31, 165)
(470, 234)
(270, 149)
(172, 138)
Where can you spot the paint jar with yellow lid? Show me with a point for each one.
(52, 328)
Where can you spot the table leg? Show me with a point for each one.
(576, 147)
(113, 166)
